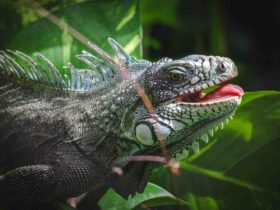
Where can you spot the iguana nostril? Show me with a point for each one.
(222, 66)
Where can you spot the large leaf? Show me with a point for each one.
(240, 168)
(152, 195)
(96, 20)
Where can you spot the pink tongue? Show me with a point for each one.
(225, 90)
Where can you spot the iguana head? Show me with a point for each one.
(182, 112)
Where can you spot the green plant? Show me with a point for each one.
(237, 170)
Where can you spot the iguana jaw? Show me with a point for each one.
(201, 131)
(191, 120)
(225, 94)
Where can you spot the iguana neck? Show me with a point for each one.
(102, 120)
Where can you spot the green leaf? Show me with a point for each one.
(239, 169)
(200, 202)
(161, 11)
(95, 20)
(152, 196)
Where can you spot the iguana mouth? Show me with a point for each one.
(224, 93)
(221, 93)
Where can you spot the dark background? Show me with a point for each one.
(246, 31)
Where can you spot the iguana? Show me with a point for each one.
(62, 134)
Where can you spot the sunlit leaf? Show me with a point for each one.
(95, 20)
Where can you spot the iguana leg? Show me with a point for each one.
(92, 197)
(40, 183)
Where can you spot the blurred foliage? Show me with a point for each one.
(238, 169)
(17, 14)
(193, 23)
(58, 45)
(175, 28)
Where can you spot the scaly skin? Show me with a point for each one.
(61, 137)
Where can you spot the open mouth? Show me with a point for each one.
(223, 92)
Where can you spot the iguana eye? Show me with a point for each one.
(177, 74)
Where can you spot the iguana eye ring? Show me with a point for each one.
(177, 74)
